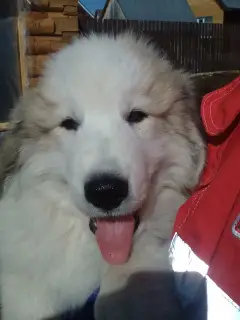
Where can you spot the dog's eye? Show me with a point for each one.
(69, 124)
(136, 116)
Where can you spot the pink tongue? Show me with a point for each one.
(114, 238)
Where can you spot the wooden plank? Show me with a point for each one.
(44, 45)
(21, 52)
(40, 27)
(36, 65)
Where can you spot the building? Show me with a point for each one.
(207, 11)
(151, 10)
(216, 11)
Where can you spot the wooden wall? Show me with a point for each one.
(50, 25)
(207, 8)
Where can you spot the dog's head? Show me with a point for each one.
(109, 114)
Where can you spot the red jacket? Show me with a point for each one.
(208, 224)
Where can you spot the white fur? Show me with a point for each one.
(49, 259)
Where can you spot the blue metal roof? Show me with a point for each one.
(231, 4)
(93, 5)
(163, 10)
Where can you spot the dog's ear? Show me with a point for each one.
(13, 139)
(29, 120)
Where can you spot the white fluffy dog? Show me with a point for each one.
(107, 137)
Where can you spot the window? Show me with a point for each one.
(207, 19)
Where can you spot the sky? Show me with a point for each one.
(93, 5)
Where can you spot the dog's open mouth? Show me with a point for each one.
(114, 236)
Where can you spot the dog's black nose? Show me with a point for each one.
(106, 191)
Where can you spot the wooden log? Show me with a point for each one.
(40, 27)
(37, 15)
(36, 65)
(70, 10)
(40, 3)
(51, 5)
(57, 4)
(53, 14)
(44, 45)
(68, 24)
(68, 36)
(67, 11)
